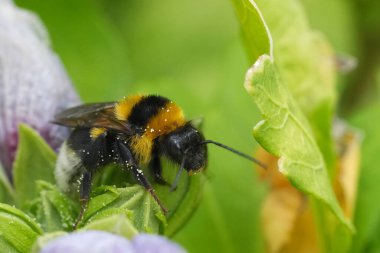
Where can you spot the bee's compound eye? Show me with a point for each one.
(178, 145)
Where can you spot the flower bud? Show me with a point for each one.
(33, 83)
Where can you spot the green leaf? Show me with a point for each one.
(6, 190)
(305, 62)
(17, 231)
(53, 209)
(333, 234)
(256, 35)
(304, 58)
(35, 160)
(117, 224)
(367, 214)
(286, 133)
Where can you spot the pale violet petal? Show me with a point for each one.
(33, 83)
(145, 243)
(89, 241)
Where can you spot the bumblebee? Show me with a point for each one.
(134, 132)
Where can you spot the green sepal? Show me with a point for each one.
(181, 203)
(35, 160)
(45, 239)
(132, 201)
(54, 210)
(6, 190)
(119, 224)
(17, 230)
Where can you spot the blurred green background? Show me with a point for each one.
(191, 52)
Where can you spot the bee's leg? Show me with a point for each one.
(155, 166)
(128, 161)
(93, 153)
(84, 195)
(142, 180)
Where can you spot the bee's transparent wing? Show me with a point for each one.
(91, 115)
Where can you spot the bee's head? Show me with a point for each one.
(184, 146)
(187, 147)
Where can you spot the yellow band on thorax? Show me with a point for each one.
(169, 118)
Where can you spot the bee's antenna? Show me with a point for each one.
(177, 177)
(236, 152)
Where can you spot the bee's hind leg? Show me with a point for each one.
(84, 196)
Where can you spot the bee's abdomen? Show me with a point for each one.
(93, 153)
(68, 168)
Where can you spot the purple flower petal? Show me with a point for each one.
(89, 241)
(99, 242)
(33, 83)
(145, 243)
